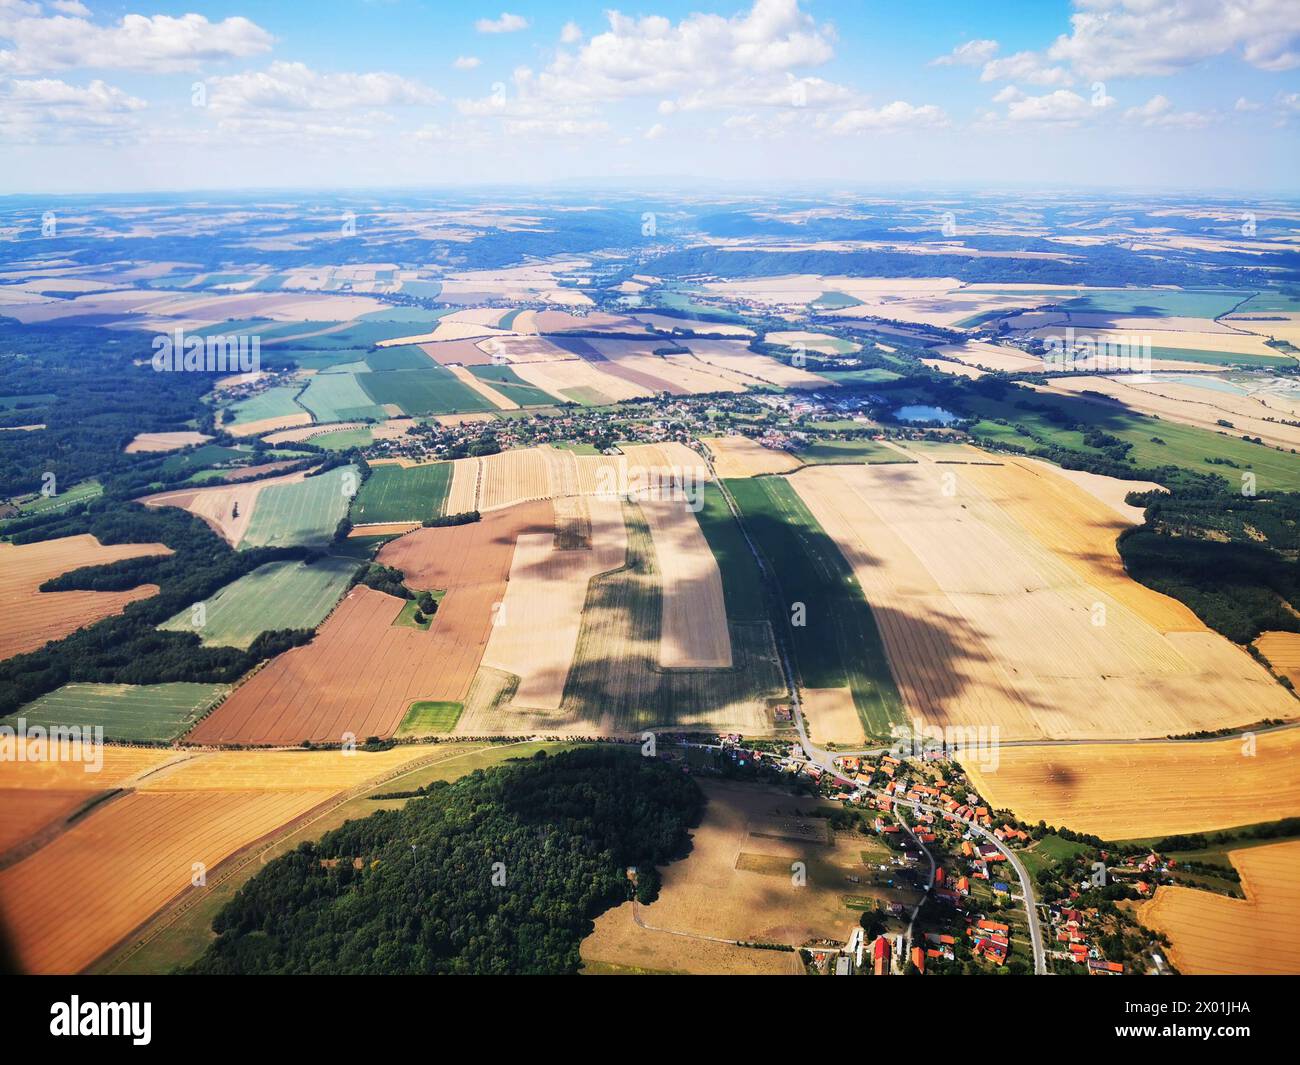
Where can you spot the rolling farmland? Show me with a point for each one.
(279, 595)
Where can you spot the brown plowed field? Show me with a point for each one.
(30, 618)
(362, 672)
(73, 899)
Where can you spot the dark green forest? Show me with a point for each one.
(412, 890)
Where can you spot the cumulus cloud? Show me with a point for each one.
(656, 131)
(1027, 67)
(969, 54)
(571, 34)
(296, 87)
(896, 116)
(466, 62)
(51, 110)
(507, 23)
(1136, 38)
(1159, 111)
(1060, 107)
(157, 44)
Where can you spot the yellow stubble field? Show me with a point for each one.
(1002, 602)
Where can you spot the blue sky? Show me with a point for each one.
(142, 96)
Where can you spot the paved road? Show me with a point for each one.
(823, 761)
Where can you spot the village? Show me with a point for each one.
(941, 894)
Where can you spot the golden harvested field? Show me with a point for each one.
(1002, 602)
(693, 629)
(76, 897)
(30, 618)
(957, 369)
(677, 374)
(120, 768)
(536, 630)
(736, 362)
(483, 389)
(1212, 934)
(163, 441)
(736, 885)
(267, 425)
(1282, 649)
(832, 716)
(1191, 405)
(739, 456)
(577, 379)
(265, 771)
(217, 505)
(384, 529)
(987, 356)
(527, 474)
(1199, 340)
(1181, 787)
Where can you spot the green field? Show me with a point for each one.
(427, 718)
(342, 439)
(1221, 358)
(826, 452)
(871, 376)
(392, 493)
(338, 397)
(429, 391)
(305, 512)
(273, 403)
(404, 357)
(134, 713)
(839, 643)
(512, 386)
(1184, 446)
(835, 301)
(742, 587)
(201, 458)
(78, 493)
(279, 595)
(1156, 302)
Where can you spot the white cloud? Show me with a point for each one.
(791, 91)
(654, 56)
(1028, 67)
(656, 131)
(507, 23)
(296, 87)
(70, 7)
(466, 62)
(1135, 38)
(898, 115)
(554, 127)
(571, 34)
(969, 54)
(1060, 107)
(1159, 111)
(50, 110)
(159, 44)
(1243, 104)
